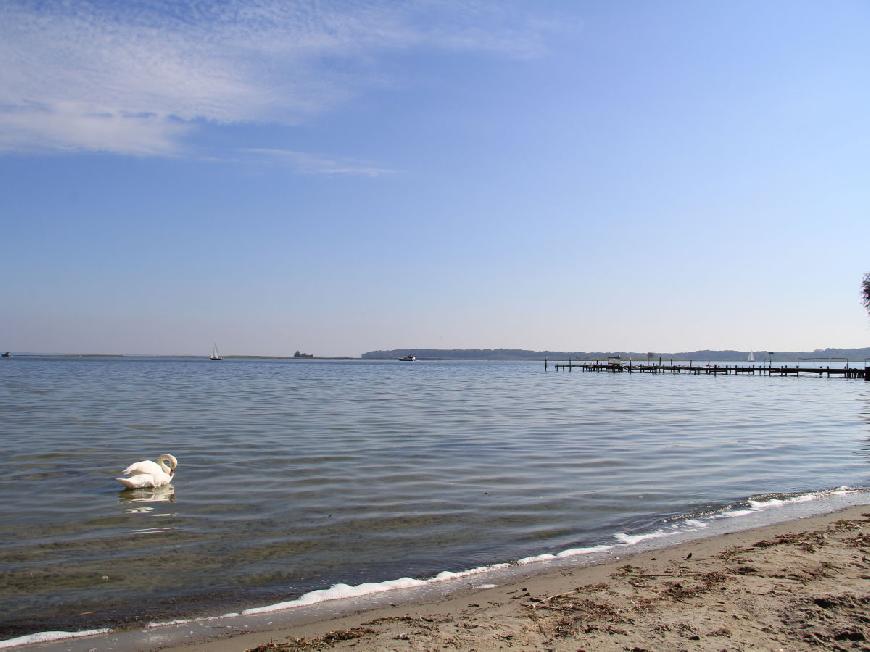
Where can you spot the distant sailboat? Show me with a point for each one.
(752, 356)
(215, 353)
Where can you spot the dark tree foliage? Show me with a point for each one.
(865, 293)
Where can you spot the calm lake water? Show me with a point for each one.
(296, 475)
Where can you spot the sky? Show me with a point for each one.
(339, 177)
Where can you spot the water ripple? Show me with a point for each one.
(295, 476)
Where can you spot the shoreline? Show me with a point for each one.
(797, 584)
(503, 597)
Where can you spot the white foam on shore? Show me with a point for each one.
(769, 503)
(802, 498)
(47, 637)
(632, 539)
(754, 506)
(338, 592)
(547, 556)
(443, 576)
(187, 621)
(344, 591)
(571, 552)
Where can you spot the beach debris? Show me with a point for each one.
(694, 585)
(319, 643)
(422, 624)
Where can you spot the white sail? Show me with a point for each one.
(752, 356)
(215, 353)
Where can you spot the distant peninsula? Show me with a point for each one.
(706, 355)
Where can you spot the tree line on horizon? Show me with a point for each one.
(727, 355)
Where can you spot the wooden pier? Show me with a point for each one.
(711, 369)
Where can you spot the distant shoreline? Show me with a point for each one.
(707, 355)
(184, 356)
(519, 355)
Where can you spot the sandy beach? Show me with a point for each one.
(804, 584)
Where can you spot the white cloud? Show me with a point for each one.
(135, 79)
(71, 126)
(308, 163)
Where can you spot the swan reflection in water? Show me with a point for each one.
(164, 494)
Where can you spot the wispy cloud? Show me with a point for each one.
(136, 78)
(308, 163)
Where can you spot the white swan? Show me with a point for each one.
(146, 473)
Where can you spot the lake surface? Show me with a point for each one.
(294, 476)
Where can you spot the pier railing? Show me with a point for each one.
(710, 369)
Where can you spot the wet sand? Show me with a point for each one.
(803, 584)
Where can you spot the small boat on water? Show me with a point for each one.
(215, 353)
(6, 355)
(408, 358)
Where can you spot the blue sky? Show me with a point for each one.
(341, 177)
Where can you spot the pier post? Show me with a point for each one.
(545, 364)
